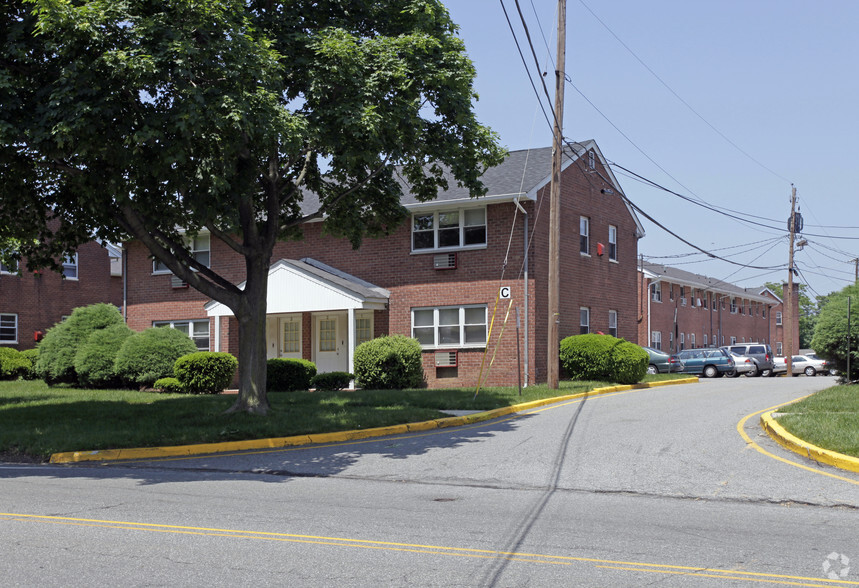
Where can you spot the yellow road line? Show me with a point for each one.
(426, 549)
(749, 442)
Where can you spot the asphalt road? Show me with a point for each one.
(629, 489)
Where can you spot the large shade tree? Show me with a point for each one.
(241, 118)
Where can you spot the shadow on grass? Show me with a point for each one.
(383, 455)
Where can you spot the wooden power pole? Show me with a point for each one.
(788, 298)
(554, 202)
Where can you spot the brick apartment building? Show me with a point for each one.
(456, 270)
(682, 310)
(31, 303)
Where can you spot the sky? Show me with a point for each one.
(725, 103)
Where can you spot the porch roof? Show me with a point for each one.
(308, 285)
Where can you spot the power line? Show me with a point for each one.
(676, 95)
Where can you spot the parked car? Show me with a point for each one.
(829, 365)
(659, 362)
(712, 363)
(803, 364)
(762, 353)
(742, 366)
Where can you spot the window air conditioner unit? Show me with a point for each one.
(445, 359)
(683, 301)
(177, 282)
(698, 302)
(444, 261)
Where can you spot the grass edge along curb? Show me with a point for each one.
(278, 442)
(781, 436)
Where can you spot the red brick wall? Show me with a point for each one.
(413, 281)
(41, 300)
(745, 326)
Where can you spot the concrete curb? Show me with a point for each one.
(339, 437)
(780, 435)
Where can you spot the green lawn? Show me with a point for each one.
(828, 419)
(36, 420)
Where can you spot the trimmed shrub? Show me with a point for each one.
(58, 349)
(587, 357)
(628, 363)
(285, 374)
(33, 356)
(331, 381)
(13, 364)
(392, 362)
(602, 357)
(149, 355)
(94, 361)
(205, 372)
(168, 386)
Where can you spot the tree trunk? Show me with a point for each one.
(251, 316)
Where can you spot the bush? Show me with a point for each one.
(33, 356)
(392, 362)
(285, 374)
(94, 361)
(628, 363)
(602, 357)
(13, 364)
(149, 355)
(205, 372)
(169, 386)
(587, 357)
(62, 342)
(331, 381)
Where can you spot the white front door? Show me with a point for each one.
(330, 342)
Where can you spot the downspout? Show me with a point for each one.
(125, 284)
(525, 290)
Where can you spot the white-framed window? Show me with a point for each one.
(763, 312)
(612, 243)
(584, 235)
(733, 340)
(8, 328)
(449, 229)
(778, 348)
(656, 340)
(363, 328)
(715, 300)
(671, 341)
(733, 305)
(198, 330)
(592, 159)
(670, 291)
(450, 326)
(705, 339)
(584, 320)
(328, 334)
(612, 323)
(682, 341)
(291, 335)
(199, 248)
(692, 340)
(778, 317)
(656, 291)
(10, 268)
(70, 267)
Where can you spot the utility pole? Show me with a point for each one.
(856, 270)
(554, 202)
(788, 299)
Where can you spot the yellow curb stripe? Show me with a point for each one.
(338, 437)
(781, 436)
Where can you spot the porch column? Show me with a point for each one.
(350, 330)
